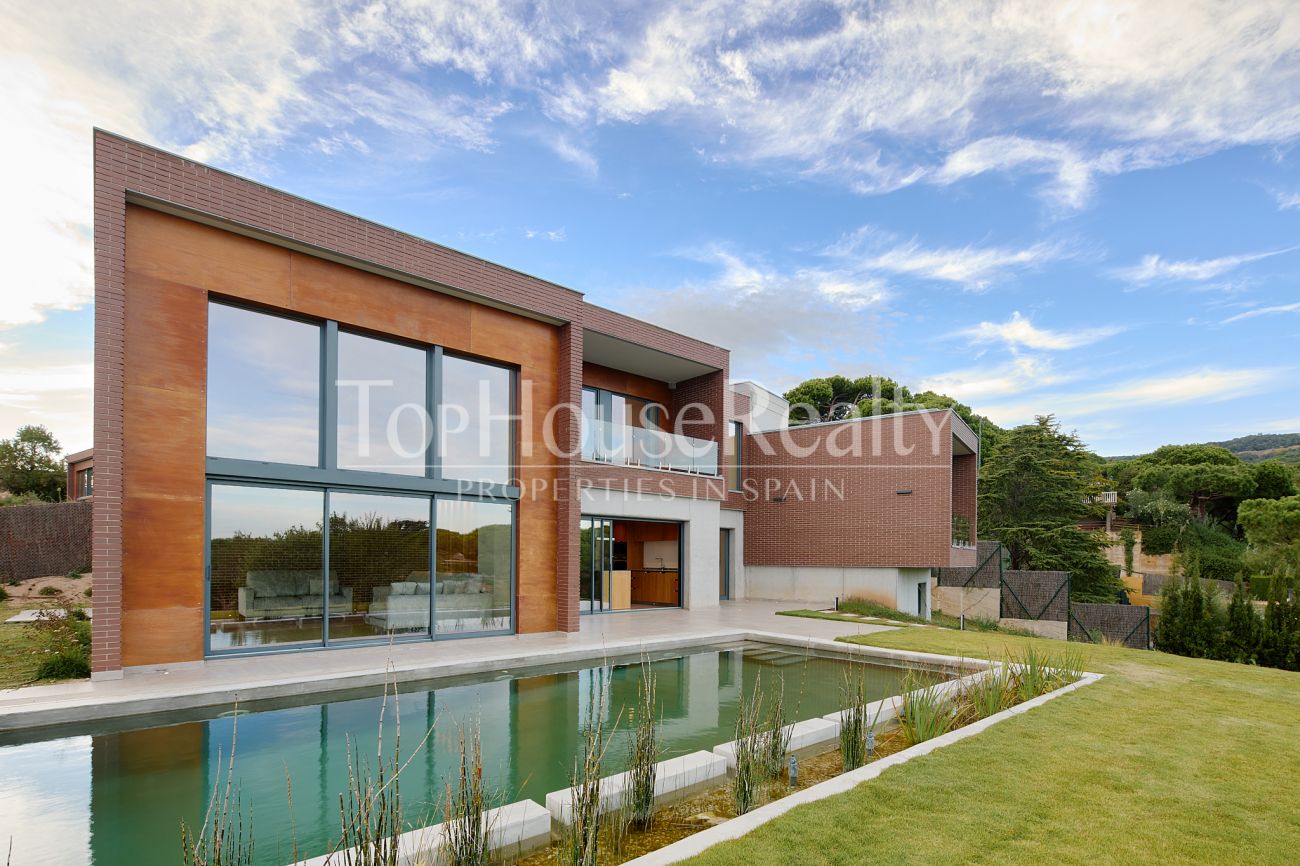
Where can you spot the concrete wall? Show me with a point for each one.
(973, 601)
(1055, 629)
(894, 587)
(701, 520)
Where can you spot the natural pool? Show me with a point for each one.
(115, 793)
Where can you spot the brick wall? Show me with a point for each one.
(568, 513)
(842, 511)
(44, 539)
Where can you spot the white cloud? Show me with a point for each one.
(1072, 172)
(569, 151)
(1205, 385)
(545, 234)
(1153, 268)
(774, 320)
(1287, 200)
(1020, 374)
(53, 389)
(1019, 332)
(973, 268)
(1263, 311)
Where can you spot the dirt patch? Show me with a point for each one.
(29, 591)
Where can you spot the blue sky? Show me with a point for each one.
(1092, 210)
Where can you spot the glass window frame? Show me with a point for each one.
(327, 477)
(736, 434)
(325, 643)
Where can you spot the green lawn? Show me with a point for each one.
(1167, 760)
(17, 659)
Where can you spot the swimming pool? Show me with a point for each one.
(114, 793)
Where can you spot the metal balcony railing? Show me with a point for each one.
(606, 442)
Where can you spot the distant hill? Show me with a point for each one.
(1283, 447)
(1265, 446)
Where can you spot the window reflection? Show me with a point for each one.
(263, 387)
(267, 584)
(383, 424)
(475, 547)
(475, 421)
(379, 551)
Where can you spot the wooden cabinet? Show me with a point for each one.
(656, 587)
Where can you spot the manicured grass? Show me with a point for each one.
(877, 614)
(837, 617)
(1165, 761)
(18, 660)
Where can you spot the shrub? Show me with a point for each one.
(63, 666)
(1261, 586)
(926, 711)
(1245, 630)
(49, 591)
(4, 596)
(1157, 540)
(1192, 621)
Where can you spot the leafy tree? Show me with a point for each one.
(1209, 489)
(1035, 487)
(1272, 528)
(835, 398)
(1157, 509)
(29, 463)
(1273, 480)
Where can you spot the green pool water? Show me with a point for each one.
(114, 794)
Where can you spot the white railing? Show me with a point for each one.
(606, 442)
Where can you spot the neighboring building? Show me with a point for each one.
(81, 474)
(301, 416)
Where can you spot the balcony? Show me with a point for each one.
(620, 444)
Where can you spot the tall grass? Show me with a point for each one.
(580, 837)
(776, 736)
(990, 694)
(643, 753)
(854, 724)
(751, 751)
(466, 832)
(926, 710)
(221, 840)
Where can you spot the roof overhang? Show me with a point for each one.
(619, 354)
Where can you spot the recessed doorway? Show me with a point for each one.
(629, 564)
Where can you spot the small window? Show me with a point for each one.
(735, 444)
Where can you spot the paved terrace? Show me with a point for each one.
(225, 681)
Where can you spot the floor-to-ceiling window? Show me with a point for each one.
(359, 487)
(629, 564)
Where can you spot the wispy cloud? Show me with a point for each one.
(974, 268)
(1019, 332)
(1020, 374)
(1072, 173)
(1287, 200)
(1154, 268)
(545, 234)
(1263, 311)
(1204, 385)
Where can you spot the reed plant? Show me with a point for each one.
(643, 753)
(926, 710)
(991, 693)
(580, 836)
(853, 720)
(1032, 675)
(221, 841)
(776, 736)
(466, 830)
(751, 751)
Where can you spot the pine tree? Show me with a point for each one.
(1245, 629)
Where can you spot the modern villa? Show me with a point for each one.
(315, 431)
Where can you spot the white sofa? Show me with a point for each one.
(404, 605)
(290, 594)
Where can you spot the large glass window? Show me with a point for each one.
(382, 422)
(263, 387)
(267, 585)
(379, 560)
(475, 421)
(475, 549)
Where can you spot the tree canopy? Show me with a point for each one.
(30, 464)
(1035, 487)
(835, 398)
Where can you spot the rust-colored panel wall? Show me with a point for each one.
(596, 376)
(172, 266)
(844, 509)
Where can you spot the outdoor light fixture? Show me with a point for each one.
(906, 491)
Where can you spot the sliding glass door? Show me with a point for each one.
(596, 562)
